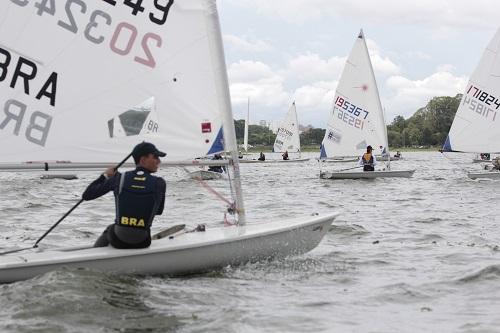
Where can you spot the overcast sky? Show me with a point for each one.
(282, 51)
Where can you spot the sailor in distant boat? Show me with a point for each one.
(139, 196)
(216, 168)
(485, 156)
(368, 160)
(262, 157)
(285, 155)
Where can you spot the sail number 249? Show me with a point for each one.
(125, 35)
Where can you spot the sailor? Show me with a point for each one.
(285, 155)
(262, 157)
(368, 160)
(139, 196)
(216, 168)
(496, 164)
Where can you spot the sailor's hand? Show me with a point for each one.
(110, 172)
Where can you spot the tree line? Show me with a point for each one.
(428, 126)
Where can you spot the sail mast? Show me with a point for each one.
(224, 99)
(247, 119)
(298, 130)
(386, 140)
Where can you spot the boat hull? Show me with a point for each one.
(275, 161)
(181, 254)
(205, 175)
(338, 160)
(367, 174)
(484, 175)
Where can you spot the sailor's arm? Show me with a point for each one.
(161, 188)
(102, 185)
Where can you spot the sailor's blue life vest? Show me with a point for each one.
(136, 202)
(367, 162)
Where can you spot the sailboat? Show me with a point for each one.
(87, 77)
(475, 128)
(357, 118)
(287, 139)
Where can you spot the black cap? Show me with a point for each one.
(369, 147)
(144, 148)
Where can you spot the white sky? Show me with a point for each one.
(281, 51)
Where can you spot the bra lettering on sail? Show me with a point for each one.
(25, 70)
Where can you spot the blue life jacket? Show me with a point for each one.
(136, 202)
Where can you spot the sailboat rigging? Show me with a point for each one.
(357, 117)
(101, 74)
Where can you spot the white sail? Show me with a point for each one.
(247, 119)
(72, 74)
(357, 118)
(477, 124)
(288, 138)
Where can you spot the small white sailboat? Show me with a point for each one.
(476, 126)
(84, 118)
(287, 140)
(357, 118)
(288, 136)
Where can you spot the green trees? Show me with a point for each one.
(312, 136)
(257, 135)
(428, 126)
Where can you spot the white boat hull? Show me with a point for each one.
(275, 161)
(484, 175)
(205, 175)
(385, 158)
(186, 253)
(339, 160)
(366, 174)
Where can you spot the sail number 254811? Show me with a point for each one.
(125, 35)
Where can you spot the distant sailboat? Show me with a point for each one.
(287, 139)
(181, 64)
(476, 126)
(288, 136)
(357, 118)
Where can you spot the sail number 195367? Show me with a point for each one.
(125, 35)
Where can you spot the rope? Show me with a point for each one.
(211, 190)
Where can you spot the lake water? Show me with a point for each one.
(405, 255)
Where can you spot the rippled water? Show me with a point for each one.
(405, 255)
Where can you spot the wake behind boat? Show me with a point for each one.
(357, 119)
